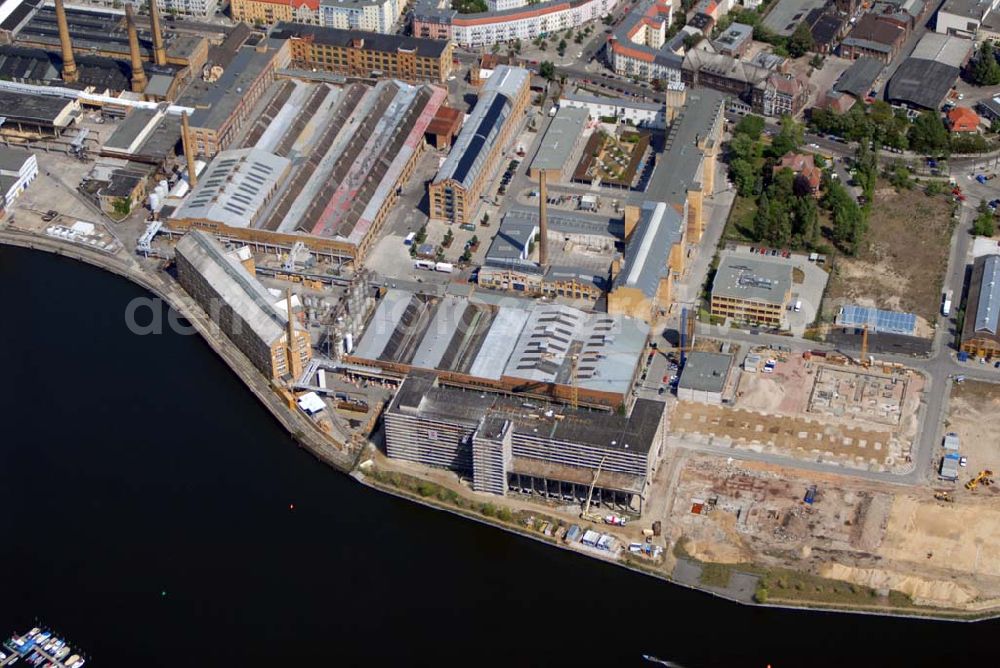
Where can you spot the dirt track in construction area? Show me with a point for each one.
(863, 418)
(800, 436)
(941, 554)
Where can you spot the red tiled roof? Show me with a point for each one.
(506, 18)
(446, 121)
(626, 50)
(294, 4)
(963, 119)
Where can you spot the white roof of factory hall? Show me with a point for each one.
(235, 187)
(518, 338)
(660, 227)
(605, 346)
(241, 291)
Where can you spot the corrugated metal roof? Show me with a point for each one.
(988, 308)
(560, 139)
(235, 187)
(660, 226)
(241, 291)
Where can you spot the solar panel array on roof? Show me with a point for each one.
(485, 134)
(888, 322)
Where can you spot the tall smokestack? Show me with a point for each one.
(159, 51)
(188, 150)
(294, 363)
(543, 221)
(138, 74)
(69, 71)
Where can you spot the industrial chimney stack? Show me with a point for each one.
(138, 73)
(188, 150)
(69, 71)
(159, 51)
(543, 221)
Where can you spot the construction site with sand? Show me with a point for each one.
(830, 540)
(823, 409)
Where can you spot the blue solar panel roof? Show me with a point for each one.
(889, 322)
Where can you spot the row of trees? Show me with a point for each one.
(884, 126)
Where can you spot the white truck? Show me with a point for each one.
(946, 304)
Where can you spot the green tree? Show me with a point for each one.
(849, 225)
(899, 177)
(122, 206)
(789, 138)
(547, 70)
(744, 176)
(562, 47)
(928, 134)
(691, 40)
(985, 70)
(970, 142)
(866, 170)
(750, 125)
(762, 219)
(801, 41)
(744, 148)
(806, 230)
(984, 224)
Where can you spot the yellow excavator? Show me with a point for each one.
(983, 478)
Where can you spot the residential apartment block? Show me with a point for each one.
(506, 20)
(269, 12)
(639, 46)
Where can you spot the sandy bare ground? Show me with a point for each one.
(974, 408)
(958, 536)
(892, 275)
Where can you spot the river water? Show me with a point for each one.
(147, 514)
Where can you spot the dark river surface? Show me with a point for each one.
(144, 513)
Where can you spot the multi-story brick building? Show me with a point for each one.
(454, 192)
(367, 54)
(875, 36)
(225, 107)
(242, 307)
